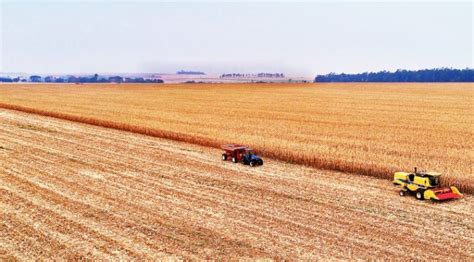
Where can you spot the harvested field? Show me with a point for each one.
(371, 129)
(72, 191)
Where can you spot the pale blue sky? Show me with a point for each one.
(300, 39)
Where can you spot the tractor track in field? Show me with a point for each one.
(72, 191)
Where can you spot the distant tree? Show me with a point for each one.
(49, 79)
(116, 79)
(35, 78)
(94, 78)
(72, 79)
(5, 79)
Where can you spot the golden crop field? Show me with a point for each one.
(70, 191)
(373, 129)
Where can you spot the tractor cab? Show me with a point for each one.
(250, 158)
(239, 153)
(249, 153)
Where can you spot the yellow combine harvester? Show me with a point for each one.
(425, 185)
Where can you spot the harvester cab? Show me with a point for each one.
(425, 185)
(242, 154)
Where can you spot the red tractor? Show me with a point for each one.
(242, 154)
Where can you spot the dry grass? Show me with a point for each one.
(371, 129)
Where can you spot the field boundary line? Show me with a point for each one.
(377, 171)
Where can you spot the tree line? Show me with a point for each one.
(262, 75)
(80, 79)
(183, 72)
(425, 75)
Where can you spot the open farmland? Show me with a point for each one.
(372, 129)
(72, 191)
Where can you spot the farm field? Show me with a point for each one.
(372, 129)
(71, 191)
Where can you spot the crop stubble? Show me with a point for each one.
(69, 190)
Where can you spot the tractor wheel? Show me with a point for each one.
(402, 193)
(234, 160)
(419, 194)
(224, 157)
(252, 163)
(260, 162)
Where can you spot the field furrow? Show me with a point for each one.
(74, 191)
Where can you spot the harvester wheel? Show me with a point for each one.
(224, 157)
(234, 160)
(419, 194)
(402, 193)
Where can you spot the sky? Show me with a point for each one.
(295, 38)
